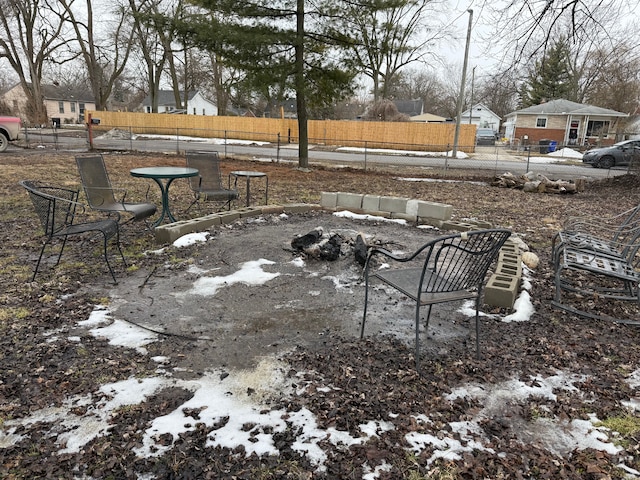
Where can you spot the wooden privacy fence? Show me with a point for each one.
(353, 133)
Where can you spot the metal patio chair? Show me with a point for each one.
(611, 236)
(56, 208)
(207, 185)
(599, 273)
(446, 269)
(102, 196)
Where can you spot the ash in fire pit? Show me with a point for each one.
(331, 245)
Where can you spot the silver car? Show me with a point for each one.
(621, 153)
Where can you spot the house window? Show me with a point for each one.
(82, 109)
(194, 111)
(541, 122)
(60, 107)
(203, 112)
(597, 128)
(73, 107)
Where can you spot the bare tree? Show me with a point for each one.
(31, 36)
(105, 57)
(533, 24)
(155, 35)
(616, 75)
(387, 36)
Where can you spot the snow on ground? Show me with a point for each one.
(223, 399)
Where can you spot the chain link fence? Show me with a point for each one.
(545, 158)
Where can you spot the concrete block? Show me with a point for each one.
(371, 203)
(510, 247)
(208, 221)
(481, 224)
(228, 217)
(300, 207)
(171, 232)
(272, 209)
(329, 199)
(349, 200)
(393, 204)
(501, 291)
(515, 270)
(457, 226)
(439, 211)
(509, 258)
(249, 212)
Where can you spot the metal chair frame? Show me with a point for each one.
(611, 236)
(207, 185)
(101, 195)
(56, 208)
(446, 269)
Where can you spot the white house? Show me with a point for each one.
(196, 103)
(481, 116)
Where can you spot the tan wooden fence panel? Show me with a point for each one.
(392, 135)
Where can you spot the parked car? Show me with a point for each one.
(9, 131)
(621, 153)
(485, 136)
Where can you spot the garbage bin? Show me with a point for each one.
(552, 146)
(544, 145)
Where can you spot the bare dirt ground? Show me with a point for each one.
(312, 323)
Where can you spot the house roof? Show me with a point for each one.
(166, 98)
(62, 92)
(427, 117)
(479, 106)
(565, 107)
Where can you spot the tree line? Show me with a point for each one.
(247, 55)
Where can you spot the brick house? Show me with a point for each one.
(565, 122)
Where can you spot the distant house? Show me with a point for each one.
(196, 103)
(563, 121)
(481, 116)
(428, 118)
(64, 105)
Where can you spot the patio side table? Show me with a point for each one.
(248, 175)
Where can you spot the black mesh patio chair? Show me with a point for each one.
(207, 185)
(56, 208)
(102, 196)
(446, 269)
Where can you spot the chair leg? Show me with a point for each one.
(478, 326)
(120, 249)
(417, 354)
(106, 257)
(35, 272)
(64, 243)
(366, 299)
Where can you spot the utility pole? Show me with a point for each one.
(473, 79)
(464, 79)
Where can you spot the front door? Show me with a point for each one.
(574, 126)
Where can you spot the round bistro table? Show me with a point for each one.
(164, 176)
(249, 174)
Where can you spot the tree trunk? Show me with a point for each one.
(301, 103)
